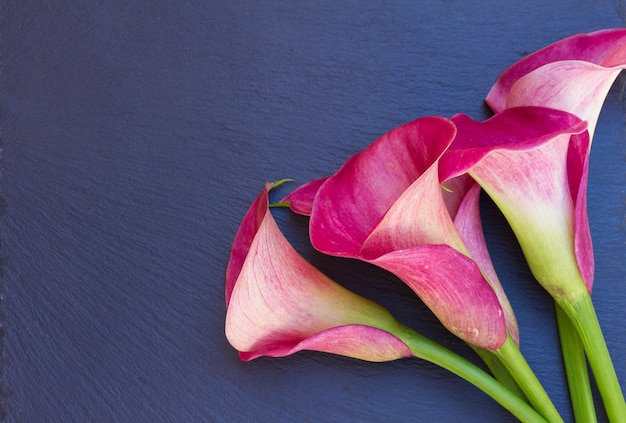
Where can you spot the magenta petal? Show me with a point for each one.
(573, 75)
(578, 170)
(534, 168)
(573, 86)
(278, 302)
(387, 202)
(356, 341)
(469, 226)
(429, 221)
(301, 199)
(454, 191)
(519, 128)
(453, 287)
(605, 48)
(243, 239)
(351, 203)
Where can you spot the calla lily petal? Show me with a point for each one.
(357, 341)
(467, 221)
(463, 194)
(533, 163)
(453, 287)
(429, 221)
(385, 206)
(350, 204)
(301, 200)
(243, 240)
(279, 304)
(574, 75)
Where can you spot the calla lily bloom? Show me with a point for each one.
(574, 75)
(278, 304)
(533, 162)
(386, 206)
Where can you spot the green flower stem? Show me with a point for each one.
(583, 316)
(499, 371)
(576, 369)
(429, 350)
(512, 358)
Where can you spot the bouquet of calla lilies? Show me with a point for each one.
(409, 204)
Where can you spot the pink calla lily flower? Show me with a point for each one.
(386, 206)
(278, 304)
(574, 75)
(533, 162)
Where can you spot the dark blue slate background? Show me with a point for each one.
(136, 134)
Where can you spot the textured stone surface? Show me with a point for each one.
(135, 136)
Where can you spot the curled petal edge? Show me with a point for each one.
(470, 309)
(355, 341)
(279, 303)
(606, 48)
(468, 224)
